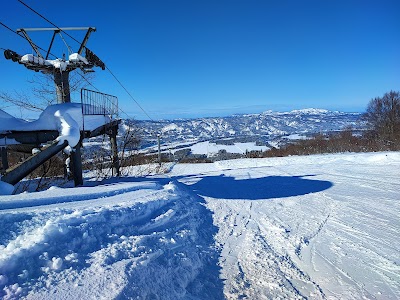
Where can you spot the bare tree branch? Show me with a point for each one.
(43, 91)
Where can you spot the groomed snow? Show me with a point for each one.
(317, 227)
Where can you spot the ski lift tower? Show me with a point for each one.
(59, 69)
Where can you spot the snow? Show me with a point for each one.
(296, 137)
(74, 58)
(69, 130)
(31, 59)
(319, 227)
(6, 188)
(211, 149)
(310, 111)
(171, 127)
(49, 119)
(58, 64)
(66, 118)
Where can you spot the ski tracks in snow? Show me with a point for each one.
(254, 268)
(289, 228)
(315, 241)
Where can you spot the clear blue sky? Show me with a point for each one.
(204, 58)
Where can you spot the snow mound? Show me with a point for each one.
(69, 130)
(49, 119)
(6, 188)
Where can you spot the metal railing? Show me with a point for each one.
(96, 103)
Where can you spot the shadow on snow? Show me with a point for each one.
(225, 187)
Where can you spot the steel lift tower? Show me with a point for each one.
(59, 69)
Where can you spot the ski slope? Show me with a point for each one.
(319, 227)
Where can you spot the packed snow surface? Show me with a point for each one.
(318, 227)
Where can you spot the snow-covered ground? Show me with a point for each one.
(324, 226)
(211, 149)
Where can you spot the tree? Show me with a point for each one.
(43, 92)
(383, 117)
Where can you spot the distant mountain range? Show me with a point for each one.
(260, 128)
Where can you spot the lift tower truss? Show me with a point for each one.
(59, 67)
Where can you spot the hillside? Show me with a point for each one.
(266, 125)
(243, 132)
(318, 227)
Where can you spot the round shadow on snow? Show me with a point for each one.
(225, 187)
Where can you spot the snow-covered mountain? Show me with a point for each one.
(253, 127)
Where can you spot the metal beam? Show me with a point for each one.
(34, 47)
(103, 129)
(20, 171)
(57, 28)
(84, 42)
(31, 137)
(76, 165)
(51, 43)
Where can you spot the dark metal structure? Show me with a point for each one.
(93, 103)
(96, 103)
(59, 68)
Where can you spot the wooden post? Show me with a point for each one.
(114, 151)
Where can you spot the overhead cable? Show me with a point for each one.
(13, 31)
(120, 83)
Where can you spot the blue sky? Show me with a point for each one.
(205, 58)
